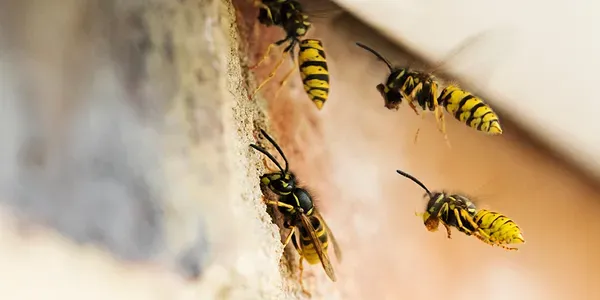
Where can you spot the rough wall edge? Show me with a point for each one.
(252, 268)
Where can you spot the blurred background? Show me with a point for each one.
(126, 172)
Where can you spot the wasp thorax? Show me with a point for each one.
(304, 200)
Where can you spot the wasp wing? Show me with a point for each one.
(318, 247)
(336, 248)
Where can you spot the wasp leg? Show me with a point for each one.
(264, 57)
(508, 248)
(279, 204)
(469, 219)
(461, 214)
(271, 75)
(439, 116)
(414, 108)
(419, 128)
(301, 268)
(297, 244)
(448, 230)
(491, 243)
(485, 240)
(289, 237)
(260, 4)
(411, 97)
(286, 78)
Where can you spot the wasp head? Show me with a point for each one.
(391, 97)
(281, 183)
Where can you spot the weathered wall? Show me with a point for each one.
(125, 128)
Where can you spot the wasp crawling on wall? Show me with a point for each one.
(308, 230)
(289, 15)
(453, 210)
(422, 88)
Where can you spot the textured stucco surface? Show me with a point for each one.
(132, 195)
(125, 128)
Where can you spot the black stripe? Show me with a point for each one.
(314, 98)
(462, 103)
(324, 239)
(314, 40)
(506, 222)
(494, 221)
(473, 110)
(494, 121)
(319, 51)
(322, 53)
(313, 63)
(444, 100)
(318, 88)
(322, 77)
(481, 123)
(480, 220)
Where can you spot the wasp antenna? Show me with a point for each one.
(263, 151)
(379, 56)
(278, 149)
(415, 181)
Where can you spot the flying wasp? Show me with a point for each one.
(312, 64)
(450, 210)
(308, 230)
(453, 210)
(423, 87)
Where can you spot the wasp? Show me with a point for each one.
(308, 230)
(423, 87)
(289, 15)
(312, 64)
(453, 210)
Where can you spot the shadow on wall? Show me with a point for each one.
(348, 153)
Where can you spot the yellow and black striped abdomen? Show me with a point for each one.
(470, 110)
(313, 69)
(501, 229)
(306, 245)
